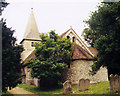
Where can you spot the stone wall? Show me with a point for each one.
(28, 49)
(80, 69)
(28, 79)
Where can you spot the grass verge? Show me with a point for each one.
(6, 94)
(36, 90)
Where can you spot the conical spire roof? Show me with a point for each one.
(31, 32)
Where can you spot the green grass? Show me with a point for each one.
(6, 94)
(99, 88)
(36, 90)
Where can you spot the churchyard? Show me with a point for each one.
(98, 88)
(42, 58)
(84, 86)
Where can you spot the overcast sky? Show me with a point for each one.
(49, 15)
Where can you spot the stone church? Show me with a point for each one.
(81, 58)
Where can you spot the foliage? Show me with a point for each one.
(52, 56)
(105, 24)
(11, 66)
(90, 36)
(7, 94)
(100, 22)
(3, 5)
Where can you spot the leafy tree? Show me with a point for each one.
(90, 36)
(98, 23)
(3, 5)
(11, 66)
(104, 24)
(52, 56)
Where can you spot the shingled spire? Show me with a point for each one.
(31, 36)
(31, 32)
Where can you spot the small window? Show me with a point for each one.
(68, 37)
(73, 39)
(32, 44)
(69, 65)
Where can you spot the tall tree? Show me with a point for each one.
(11, 66)
(104, 26)
(52, 56)
(3, 5)
(90, 36)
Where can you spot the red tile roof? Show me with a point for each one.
(80, 53)
(93, 50)
(32, 55)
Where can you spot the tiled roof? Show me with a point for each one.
(32, 31)
(93, 50)
(80, 53)
(80, 40)
(32, 55)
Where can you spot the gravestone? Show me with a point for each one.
(112, 83)
(67, 86)
(119, 84)
(116, 83)
(87, 84)
(83, 84)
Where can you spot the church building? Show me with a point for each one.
(82, 57)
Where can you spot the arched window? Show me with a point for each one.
(73, 39)
(68, 37)
(69, 65)
(32, 44)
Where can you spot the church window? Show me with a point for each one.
(28, 73)
(68, 37)
(73, 39)
(69, 65)
(32, 44)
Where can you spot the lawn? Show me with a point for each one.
(36, 90)
(6, 94)
(99, 88)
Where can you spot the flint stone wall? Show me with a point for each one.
(27, 79)
(80, 68)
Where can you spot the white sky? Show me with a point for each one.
(49, 15)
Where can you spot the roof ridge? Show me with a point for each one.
(78, 39)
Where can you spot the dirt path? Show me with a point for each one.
(21, 92)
